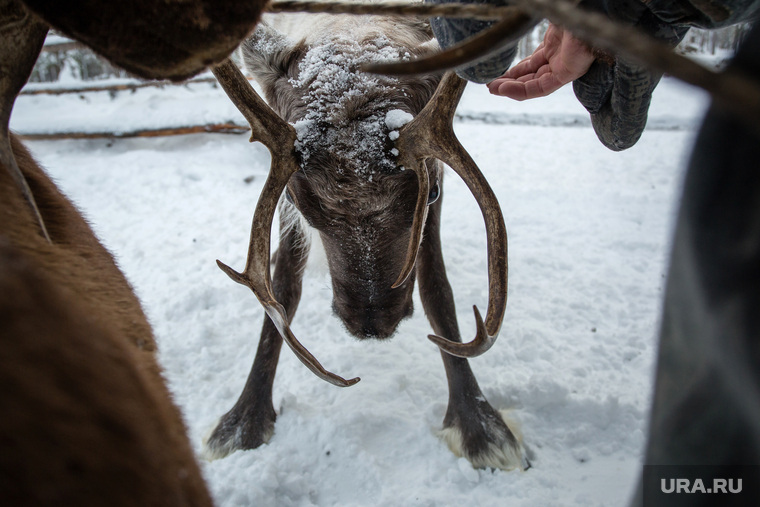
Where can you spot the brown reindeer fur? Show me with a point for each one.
(86, 417)
(172, 39)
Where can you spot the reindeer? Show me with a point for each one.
(374, 204)
(86, 416)
(72, 329)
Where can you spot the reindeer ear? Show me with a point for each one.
(267, 54)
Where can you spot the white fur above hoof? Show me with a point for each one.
(222, 441)
(502, 452)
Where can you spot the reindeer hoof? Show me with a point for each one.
(491, 441)
(236, 432)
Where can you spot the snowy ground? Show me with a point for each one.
(589, 233)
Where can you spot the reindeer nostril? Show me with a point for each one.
(370, 331)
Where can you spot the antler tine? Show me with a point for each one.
(266, 126)
(510, 29)
(420, 213)
(412, 154)
(431, 134)
(279, 137)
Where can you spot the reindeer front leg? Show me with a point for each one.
(250, 422)
(472, 427)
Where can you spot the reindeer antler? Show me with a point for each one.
(279, 137)
(431, 135)
(511, 28)
(733, 91)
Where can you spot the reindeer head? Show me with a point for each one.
(357, 176)
(365, 227)
(350, 186)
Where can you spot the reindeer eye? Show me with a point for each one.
(435, 192)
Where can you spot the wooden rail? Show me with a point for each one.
(218, 128)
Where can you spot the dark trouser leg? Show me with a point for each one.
(706, 407)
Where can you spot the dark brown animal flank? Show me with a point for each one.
(344, 155)
(158, 39)
(87, 417)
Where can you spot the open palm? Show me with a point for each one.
(559, 59)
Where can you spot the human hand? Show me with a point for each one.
(560, 59)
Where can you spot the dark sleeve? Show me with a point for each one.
(450, 31)
(617, 94)
(705, 13)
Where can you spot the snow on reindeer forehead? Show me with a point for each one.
(351, 117)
